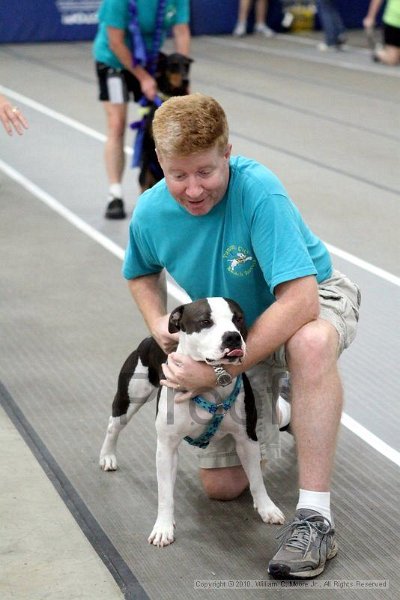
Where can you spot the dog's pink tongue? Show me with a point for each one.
(236, 352)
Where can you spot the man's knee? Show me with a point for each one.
(225, 483)
(315, 343)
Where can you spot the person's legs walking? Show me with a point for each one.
(115, 157)
(260, 19)
(331, 22)
(241, 24)
(390, 53)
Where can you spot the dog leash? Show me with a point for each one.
(204, 439)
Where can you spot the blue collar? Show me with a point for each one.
(204, 439)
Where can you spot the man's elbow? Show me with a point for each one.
(312, 308)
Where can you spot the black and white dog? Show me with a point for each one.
(211, 330)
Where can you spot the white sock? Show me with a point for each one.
(318, 501)
(284, 412)
(115, 190)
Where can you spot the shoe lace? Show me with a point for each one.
(297, 534)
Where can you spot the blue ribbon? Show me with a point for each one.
(139, 52)
(148, 60)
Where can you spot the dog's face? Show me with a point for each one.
(173, 73)
(211, 330)
(177, 69)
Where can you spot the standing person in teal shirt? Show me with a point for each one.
(223, 225)
(119, 75)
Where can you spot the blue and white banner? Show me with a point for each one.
(47, 20)
(70, 20)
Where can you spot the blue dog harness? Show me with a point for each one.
(204, 439)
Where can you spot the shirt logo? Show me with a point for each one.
(239, 260)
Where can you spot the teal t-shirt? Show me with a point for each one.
(252, 240)
(115, 13)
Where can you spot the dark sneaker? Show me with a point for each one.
(341, 42)
(115, 209)
(306, 544)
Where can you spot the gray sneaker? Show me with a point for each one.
(306, 544)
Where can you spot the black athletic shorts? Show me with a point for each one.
(115, 85)
(391, 35)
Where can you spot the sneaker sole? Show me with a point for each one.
(115, 217)
(282, 571)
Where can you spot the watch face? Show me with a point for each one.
(224, 379)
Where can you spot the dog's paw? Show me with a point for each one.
(271, 514)
(108, 462)
(162, 534)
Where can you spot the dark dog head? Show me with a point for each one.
(173, 74)
(211, 330)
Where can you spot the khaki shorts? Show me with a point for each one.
(340, 302)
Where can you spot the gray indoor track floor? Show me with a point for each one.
(329, 126)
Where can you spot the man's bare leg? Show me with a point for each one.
(317, 400)
(114, 148)
(388, 55)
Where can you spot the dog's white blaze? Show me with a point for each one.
(221, 315)
(220, 309)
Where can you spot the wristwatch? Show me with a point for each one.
(223, 377)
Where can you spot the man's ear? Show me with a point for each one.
(160, 159)
(228, 151)
(174, 324)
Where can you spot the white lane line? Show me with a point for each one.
(354, 260)
(358, 429)
(79, 223)
(362, 264)
(371, 439)
(53, 114)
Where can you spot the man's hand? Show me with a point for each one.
(369, 22)
(148, 85)
(11, 117)
(183, 373)
(167, 341)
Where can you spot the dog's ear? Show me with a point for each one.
(174, 324)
